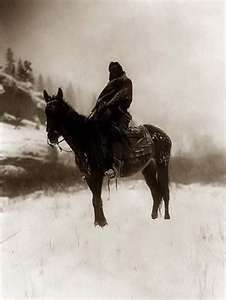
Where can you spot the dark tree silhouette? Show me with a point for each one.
(10, 62)
(70, 94)
(28, 71)
(49, 85)
(40, 83)
(24, 71)
(20, 71)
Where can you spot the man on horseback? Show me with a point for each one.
(111, 111)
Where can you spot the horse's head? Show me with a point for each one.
(54, 110)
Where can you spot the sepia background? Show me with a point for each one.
(173, 51)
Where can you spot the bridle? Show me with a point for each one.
(57, 143)
(51, 101)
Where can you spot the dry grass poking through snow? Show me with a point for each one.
(58, 252)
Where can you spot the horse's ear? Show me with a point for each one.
(60, 94)
(46, 96)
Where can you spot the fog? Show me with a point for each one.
(172, 51)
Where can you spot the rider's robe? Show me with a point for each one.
(113, 120)
(118, 95)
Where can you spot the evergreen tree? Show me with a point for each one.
(49, 85)
(24, 71)
(70, 94)
(40, 83)
(20, 74)
(10, 62)
(28, 72)
(79, 96)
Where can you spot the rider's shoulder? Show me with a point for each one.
(120, 81)
(126, 79)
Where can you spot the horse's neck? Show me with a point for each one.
(74, 130)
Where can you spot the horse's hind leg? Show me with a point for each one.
(163, 178)
(150, 177)
(95, 185)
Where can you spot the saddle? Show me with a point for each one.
(133, 152)
(137, 143)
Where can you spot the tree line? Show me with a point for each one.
(22, 70)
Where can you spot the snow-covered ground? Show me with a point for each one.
(50, 247)
(28, 142)
(22, 142)
(23, 153)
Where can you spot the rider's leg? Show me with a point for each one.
(110, 145)
(115, 153)
(110, 170)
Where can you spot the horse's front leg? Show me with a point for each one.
(95, 184)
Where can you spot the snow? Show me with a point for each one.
(29, 143)
(50, 247)
(23, 141)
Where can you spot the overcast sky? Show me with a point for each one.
(172, 51)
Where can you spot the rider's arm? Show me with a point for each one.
(123, 96)
(110, 88)
(106, 96)
(101, 102)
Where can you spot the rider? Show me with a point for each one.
(111, 108)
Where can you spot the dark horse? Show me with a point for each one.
(82, 135)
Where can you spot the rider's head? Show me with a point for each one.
(115, 70)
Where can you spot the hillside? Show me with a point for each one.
(20, 99)
(27, 163)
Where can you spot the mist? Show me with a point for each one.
(172, 51)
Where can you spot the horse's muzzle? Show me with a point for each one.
(53, 138)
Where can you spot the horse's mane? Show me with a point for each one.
(82, 126)
(73, 115)
(85, 135)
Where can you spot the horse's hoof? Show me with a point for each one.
(167, 217)
(100, 223)
(154, 216)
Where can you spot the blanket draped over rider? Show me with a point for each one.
(115, 99)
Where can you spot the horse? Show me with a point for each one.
(82, 135)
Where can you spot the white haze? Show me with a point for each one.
(173, 52)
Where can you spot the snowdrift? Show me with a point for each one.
(50, 247)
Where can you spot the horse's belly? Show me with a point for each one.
(131, 166)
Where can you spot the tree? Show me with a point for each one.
(49, 85)
(10, 62)
(24, 71)
(28, 71)
(20, 74)
(40, 83)
(70, 94)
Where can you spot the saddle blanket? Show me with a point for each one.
(138, 143)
